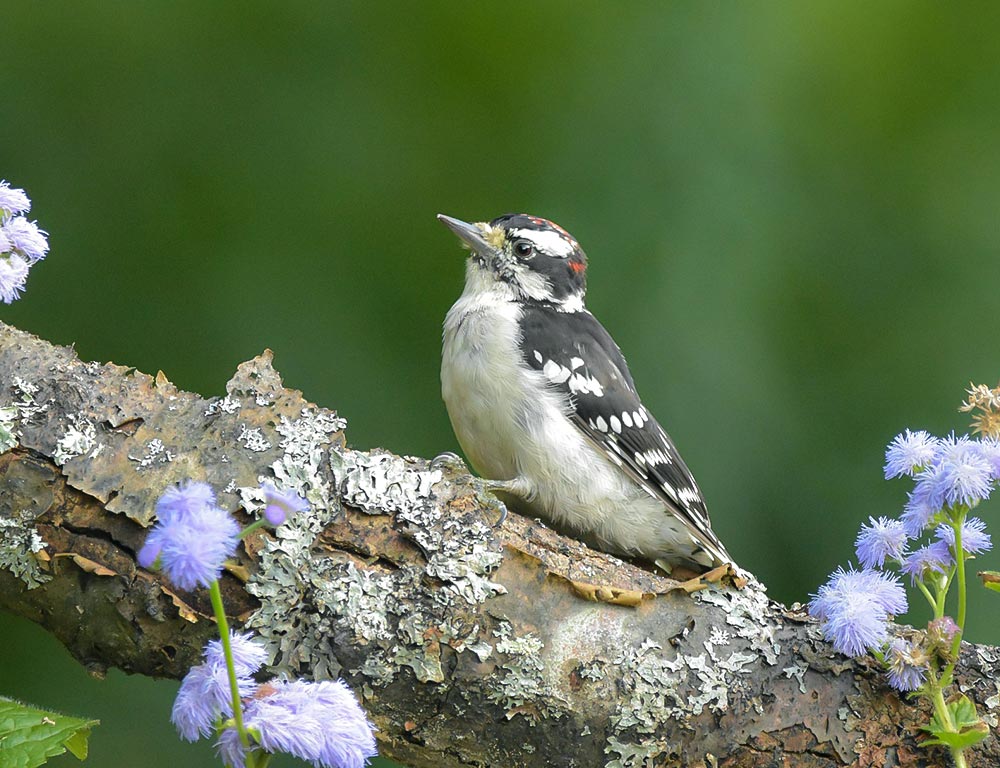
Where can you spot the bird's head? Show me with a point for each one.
(531, 257)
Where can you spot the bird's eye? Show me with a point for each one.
(523, 249)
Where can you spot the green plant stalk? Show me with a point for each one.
(944, 715)
(937, 698)
(234, 688)
(929, 596)
(253, 527)
(956, 644)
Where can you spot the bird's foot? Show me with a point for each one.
(449, 460)
(452, 461)
(720, 574)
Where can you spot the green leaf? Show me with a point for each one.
(991, 579)
(29, 736)
(963, 712)
(971, 730)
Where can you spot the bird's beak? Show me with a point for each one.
(467, 233)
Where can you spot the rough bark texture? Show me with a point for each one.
(470, 641)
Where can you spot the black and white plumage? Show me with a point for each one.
(543, 403)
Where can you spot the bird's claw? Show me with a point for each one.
(449, 460)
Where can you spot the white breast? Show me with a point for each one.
(484, 384)
(512, 425)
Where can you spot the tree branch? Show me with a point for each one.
(471, 642)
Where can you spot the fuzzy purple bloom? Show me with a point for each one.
(181, 500)
(924, 502)
(151, 548)
(934, 558)
(12, 200)
(13, 276)
(230, 749)
(974, 536)
(204, 694)
(908, 452)
(26, 238)
(194, 548)
(906, 665)
(855, 606)
(857, 627)
(281, 504)
(248, 656)
(845, 586)
(989, 449)
(320, 722)
(963, 474)
(880, 539)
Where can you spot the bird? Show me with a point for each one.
(546, 411)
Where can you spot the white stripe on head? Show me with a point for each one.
(546, 241)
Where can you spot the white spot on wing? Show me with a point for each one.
(616, 424)
(572, 303)
(555, 372)
(575, 362)
(656, 456)
(602, 424)
(626, 418)
(538, 356)
(587, 385)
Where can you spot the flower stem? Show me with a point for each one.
(941, 709)
(960, 568)
(253, 527)
(929, 596)
(234, 688)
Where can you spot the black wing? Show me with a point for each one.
(579, 357)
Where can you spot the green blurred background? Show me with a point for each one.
(790, 210)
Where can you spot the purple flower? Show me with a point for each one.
(12, 200)
(934, 558)
(908, 452)
(974, 536)
(281, 504)
(230, 749)
(906, 665)
(194, 548)
(880, 539)
(248, 656)
(989, 449)
(962, 473)
(204, 694)
(13, 276)
(941, 632)
(192, 537)
(319, 722)
(179, 501)
(855, 606)
(26, 238)
(882, 589)
(856, 627)
(924, 502)
(151, 548)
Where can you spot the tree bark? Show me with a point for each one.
(472, 640)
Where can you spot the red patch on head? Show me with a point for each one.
(577, 266)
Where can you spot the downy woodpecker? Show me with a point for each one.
(544, 406)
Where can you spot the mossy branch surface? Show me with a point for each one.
(471, 643)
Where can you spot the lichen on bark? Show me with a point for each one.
(473, 638)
